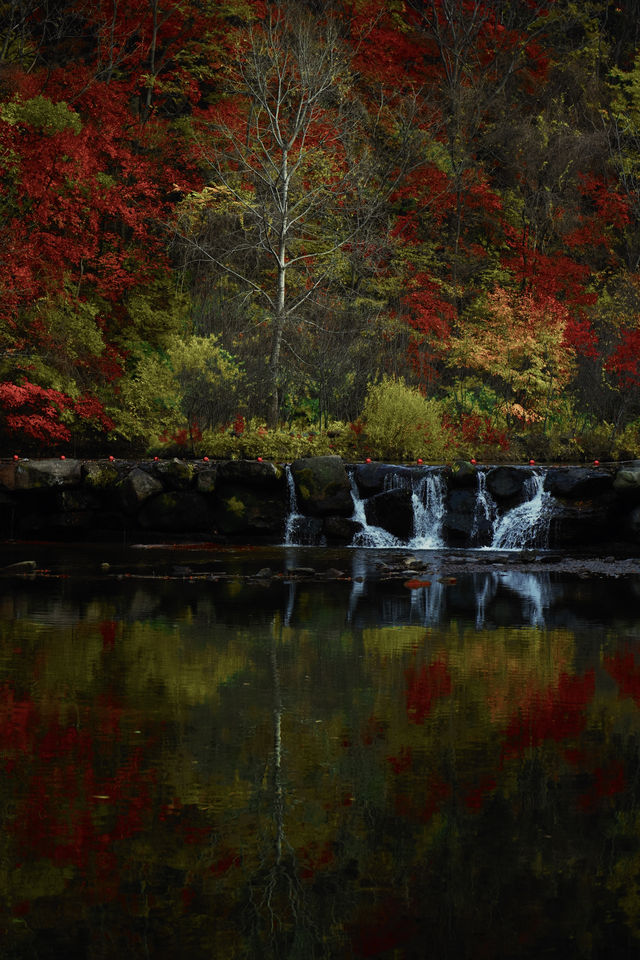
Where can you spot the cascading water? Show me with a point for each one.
(526, 525)
(299, 530)
(368, 536)
(428, 498)
(428, 501)
(484, 515)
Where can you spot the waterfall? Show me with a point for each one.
(299, 530)
(526, 525)
(484, 514)
(369, 536)
(428, 500)
(428, 497)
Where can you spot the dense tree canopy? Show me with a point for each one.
(218, 211)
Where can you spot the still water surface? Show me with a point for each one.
(345, 769)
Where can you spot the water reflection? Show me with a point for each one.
(356, 768)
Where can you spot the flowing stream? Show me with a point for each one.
(523, 526)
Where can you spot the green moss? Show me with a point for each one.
(236, 506)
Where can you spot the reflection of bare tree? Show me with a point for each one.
(278, 912)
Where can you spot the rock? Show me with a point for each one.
(463, 474)
(371, 477)
(322, 486)
(506, 483)
(75, 498)
(23, 566)
(206, 481)
(632, 523)
(458, 521)
(627, 480)
(137, 487)
(8, 475)
(575, 483)
(174, 474)
(340, 529)
(264, 572)
(99, 476)
(253, 473)
(39, 474)
(246, 510)
(582, 522)
(176, 511)
(393, 511)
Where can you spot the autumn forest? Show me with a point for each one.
(375, 227)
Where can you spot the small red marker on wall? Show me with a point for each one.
(419, 460)
(259, 459)
(206, 459)
(473, 461)
(531, 462)
(111, 457)
(62, 456)
(155, 458)
(368, 460)
(16, 457)
(596, 463)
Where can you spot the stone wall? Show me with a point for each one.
(248, 501)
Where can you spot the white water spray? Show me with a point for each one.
(428, 498)
(526, 525)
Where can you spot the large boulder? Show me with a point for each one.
(584, 523)
(627, 481)
(506, 483)
(46, 474)
(372, 478)
(576, 483)
(137, 487)
(252, 473)
(340, 530)
(100, 475)
(459, 516)
(322, 486)
(463, 474)
(393, 511)
(174, 474)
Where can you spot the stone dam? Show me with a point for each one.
(322, 500)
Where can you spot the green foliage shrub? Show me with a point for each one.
(401, 424)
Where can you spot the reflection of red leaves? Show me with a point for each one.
(425, 686)
(385, 927)
(423, 807)
(108, 631)
(555, 714)
(416, 584)
(626, 673)
(474, 797)
(607, 782)
(402, 761)
(373, 730)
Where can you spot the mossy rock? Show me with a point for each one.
(99, 476)
(241, 509)
(322, 486)
(174, 474)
